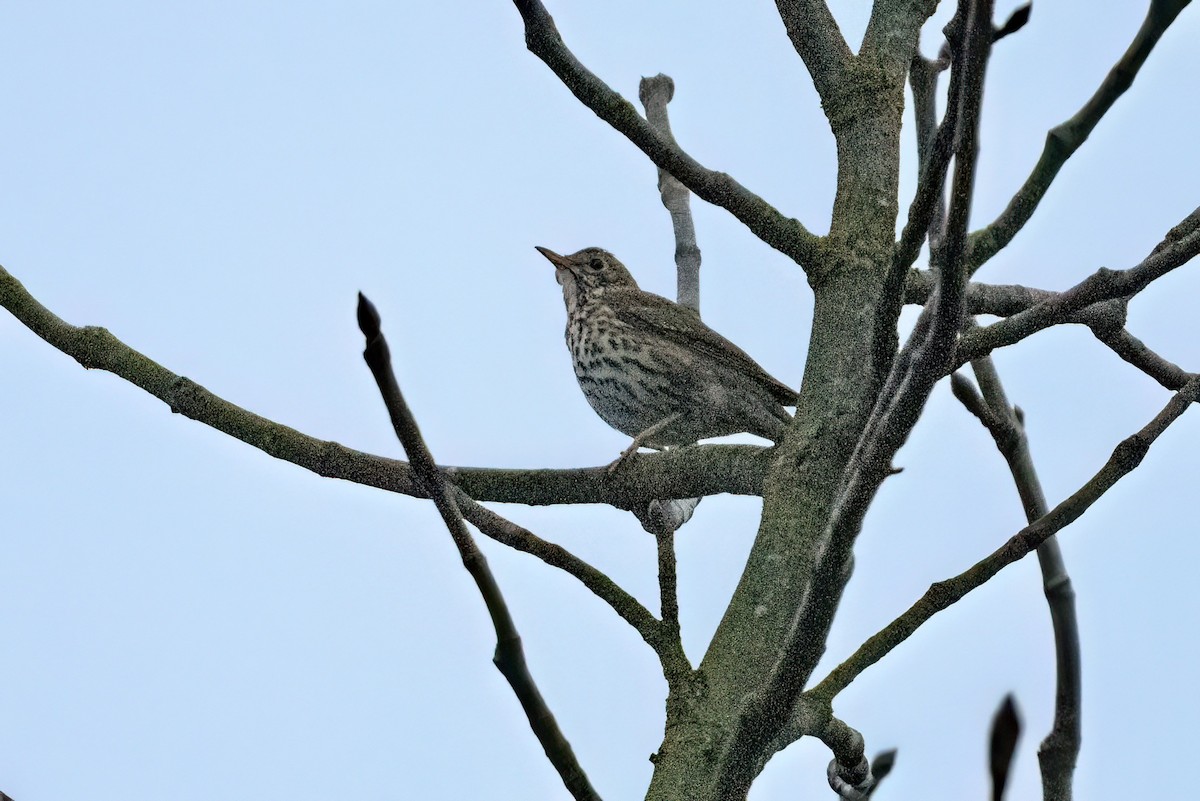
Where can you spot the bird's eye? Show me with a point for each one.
(596, 264)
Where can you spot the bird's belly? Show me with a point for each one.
(628, 383)
(631, 395)
(611, 393)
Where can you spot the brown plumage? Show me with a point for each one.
(651, 369)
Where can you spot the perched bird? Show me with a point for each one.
(651, 369)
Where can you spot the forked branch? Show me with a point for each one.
(913, 375)
(819, 43)
(1125, 458)
(1179, 247)
(680, 473)
(1060, 749)
(510, 655)
(655, 93)
(96, 348)
(1105, 319)
(785, 234)
(1063, 140)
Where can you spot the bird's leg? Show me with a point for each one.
(642, 437)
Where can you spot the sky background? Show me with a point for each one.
(183, 615)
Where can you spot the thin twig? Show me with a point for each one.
(785, 234)
(510, 656)
(1125, 457)
(667, 579)
(1063, 140)
(927, 212)
(662, 521)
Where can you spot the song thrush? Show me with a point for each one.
(651, 369)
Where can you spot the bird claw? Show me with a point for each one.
(621, 460)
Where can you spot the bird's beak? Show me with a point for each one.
(555, 259)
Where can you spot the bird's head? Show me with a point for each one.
(588, 271)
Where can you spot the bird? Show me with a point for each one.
(651, 369)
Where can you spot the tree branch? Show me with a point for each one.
(1178, 248)
(785, 234)
(510, 655)
(1134, 351)
(677, 473)
(1125, 457)
(766, 713)
(655, 93)
(686, 472)
(1005, 300)
(1063, 140)
(96, 348)
(504, 531)
(662, 518)
(1060, 749)
(935, 146)
(676, 668)
(921, 362)
(1106, 320)
(819, 43)
(849, 772)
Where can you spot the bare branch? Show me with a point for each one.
(686, 472)
(662, 518)
(1060, 749)
(818, 41)
(1180, 246)
(767, 712)
(510, 655)
(1134, 351)
(785, 234)
(936, 146)
(676, 667)
(655, 93)
(667, 578)
(1005, 300)
(1125, 458)
(678, 473)
(506, 532)
(1063, 140)
(1105, 319)
(919, 365)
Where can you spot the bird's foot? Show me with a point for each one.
(623, 459)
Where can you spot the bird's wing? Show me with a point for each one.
(683, 326)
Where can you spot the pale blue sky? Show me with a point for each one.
(184, 616)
